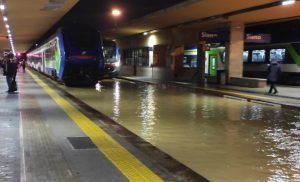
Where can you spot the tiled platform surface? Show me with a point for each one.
(9, 135)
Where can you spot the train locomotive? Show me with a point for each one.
(73, 56)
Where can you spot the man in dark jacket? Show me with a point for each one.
(11, 71)
(273, 74)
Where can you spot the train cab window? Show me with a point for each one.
(245, 56)
(109, 52)
(277, 55)
(258, 56)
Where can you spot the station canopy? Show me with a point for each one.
(31, 20)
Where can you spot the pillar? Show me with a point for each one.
(201, 61)
(235, 50)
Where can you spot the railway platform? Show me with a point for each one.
(46, 135)
(287, 96)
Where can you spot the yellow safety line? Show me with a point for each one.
(130, 166)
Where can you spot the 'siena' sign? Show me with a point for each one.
(258, 38)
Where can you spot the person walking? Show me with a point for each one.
(273, 74)
(11, 72)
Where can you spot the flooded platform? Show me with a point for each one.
(172, 132)
(222, 138)
(48, 137)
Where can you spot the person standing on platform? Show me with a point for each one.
(273, 74)
(11, 72)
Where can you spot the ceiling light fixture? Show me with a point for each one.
(5, 19)
(287, 2)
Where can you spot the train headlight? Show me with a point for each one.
(117, 64)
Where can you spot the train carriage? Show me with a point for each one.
(72, 55)
(257, 58)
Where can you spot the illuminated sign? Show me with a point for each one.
(258, 38)
(213, 37)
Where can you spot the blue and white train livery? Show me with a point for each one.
(72, 55)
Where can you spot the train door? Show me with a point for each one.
(213, 63)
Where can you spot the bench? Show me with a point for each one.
(248, 82)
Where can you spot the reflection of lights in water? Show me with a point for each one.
(207, 110)
(147, 111)
(253, 112)
(117, 96)
(193, 106)
(284, 153)
(281, 143)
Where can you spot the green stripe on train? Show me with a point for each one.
(294, 54)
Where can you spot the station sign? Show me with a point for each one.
(258, 38)
(213, 37)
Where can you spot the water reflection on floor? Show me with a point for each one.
(221, 139)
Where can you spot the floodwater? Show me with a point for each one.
(222, 139)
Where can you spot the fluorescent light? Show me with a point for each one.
(2, 7)
(287, 2)
(7, 26)
(4, 18)
(145, 33)
(8, 31)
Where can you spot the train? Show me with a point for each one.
(112, 58)
(72, 55)
(256, 59)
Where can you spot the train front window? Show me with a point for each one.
(277, 55)
(109, 54)
(82, 40)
